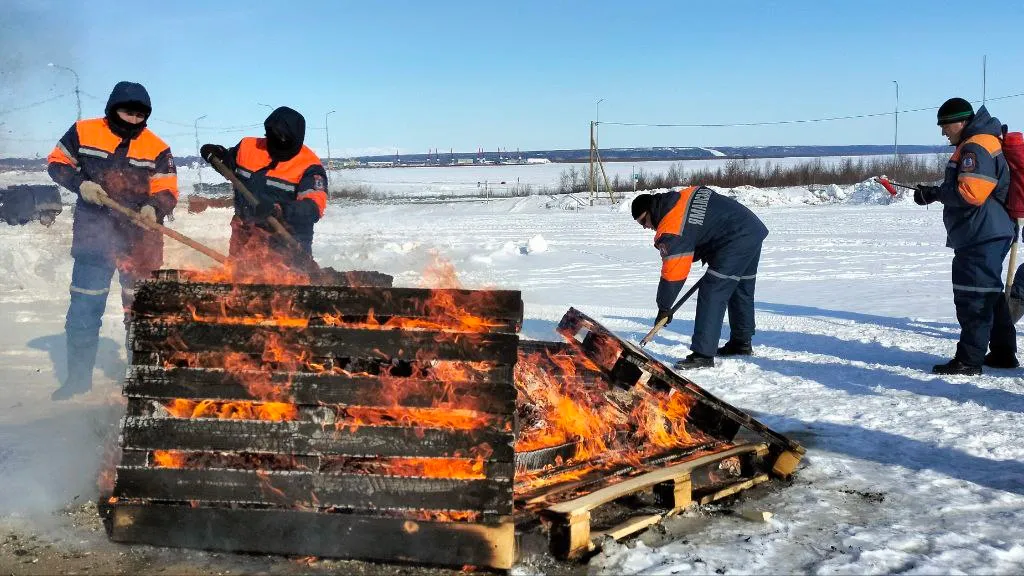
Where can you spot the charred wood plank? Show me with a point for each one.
(308, 489)
(530, 460)
(325, 276)
(303, 533)
(148, 336)
(502, 308)
(210, 434)
(629, 364)
(493, 396)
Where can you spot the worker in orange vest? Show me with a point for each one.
(114, 157)
(285, 176)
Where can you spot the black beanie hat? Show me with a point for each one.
(955, 110)
(641, 204)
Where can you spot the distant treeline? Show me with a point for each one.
(768, 175)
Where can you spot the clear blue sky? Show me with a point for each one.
(418, 75)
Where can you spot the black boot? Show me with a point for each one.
(695, 360)
(1002, 360)
(956, 368)
(736, 348)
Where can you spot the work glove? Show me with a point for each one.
(92, 192)
(148, 213)
(213, 150)
(666, 314)
(267, 209)
(924, 195)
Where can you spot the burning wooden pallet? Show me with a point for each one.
(320, 420)
(696, 455)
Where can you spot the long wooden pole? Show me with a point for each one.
(278, 228)
(661, 323)
(137, 218)
(1013, 256)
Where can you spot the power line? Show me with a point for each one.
(223, 128)
(778, 122)
(34, 104)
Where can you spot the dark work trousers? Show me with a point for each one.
(728, 284)
(90, 284)
(981, 307)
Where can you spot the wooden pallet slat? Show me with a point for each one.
(310, 489)
(302, 533)
(502, 308)
(211, 434)
(493, 392)
(154, 336)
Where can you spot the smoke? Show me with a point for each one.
(52, 462)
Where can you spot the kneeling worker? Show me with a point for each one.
(697, 223)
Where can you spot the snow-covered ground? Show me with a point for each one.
(905, 471)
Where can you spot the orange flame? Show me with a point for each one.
(355, 416)
(274, 411)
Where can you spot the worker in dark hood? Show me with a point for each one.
(118, 158)
(287, 179)
(980, 232)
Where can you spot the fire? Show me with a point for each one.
(455, 468)
(609, 428)
(355, 416)
(662, 420)
(274, 411)
(561, 412)
(255, 262)
(169, 459)
(446, 515)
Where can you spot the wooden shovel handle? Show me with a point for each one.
(137, 219)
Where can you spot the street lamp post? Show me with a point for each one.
(78, 96)
(327, 133)
(896, 130)
(196, 126)
(597, 135)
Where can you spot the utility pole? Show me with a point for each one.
(896, 131)
(78, 95)
(196, 126)
(592, 180)
(984, 77)
(596, 136)
(327, 133)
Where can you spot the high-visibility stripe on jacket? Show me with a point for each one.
(975, 186)
(695, 223)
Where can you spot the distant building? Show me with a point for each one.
(381, 164)
(538, 161)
